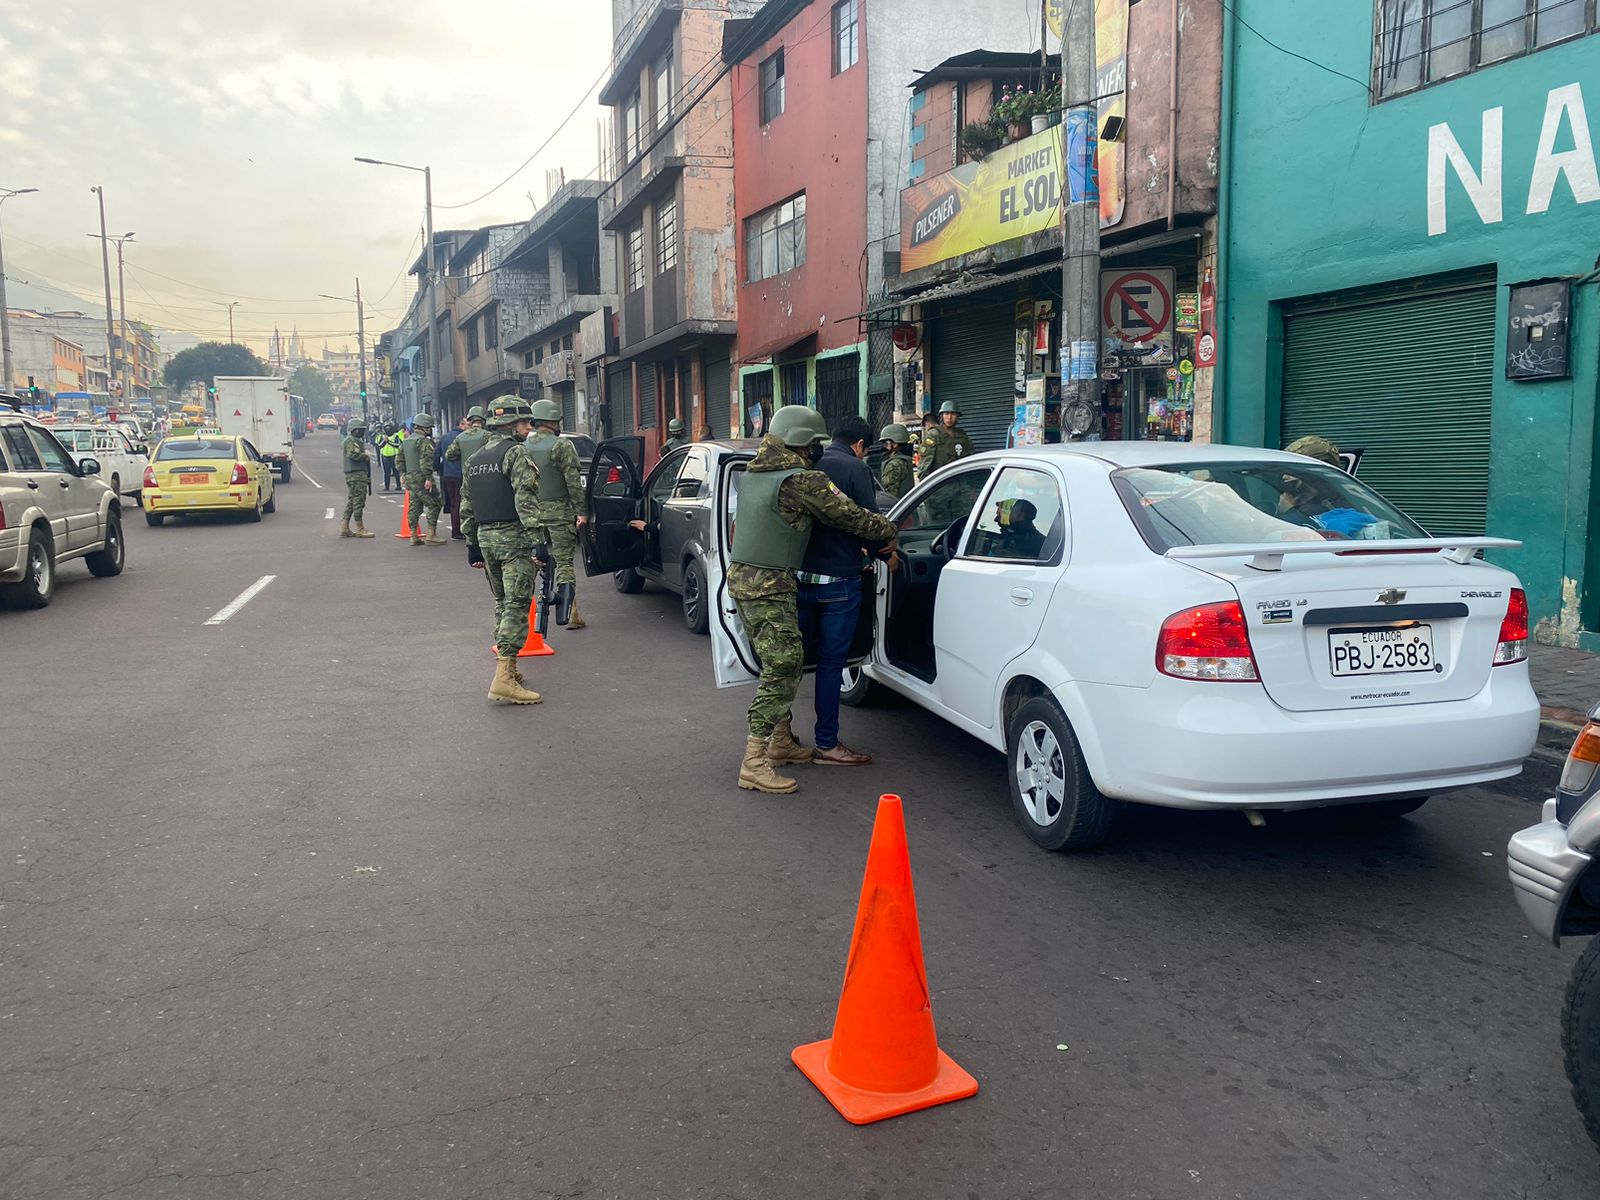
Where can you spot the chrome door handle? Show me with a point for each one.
(1021, 595)
(63, 483)
(34, 484)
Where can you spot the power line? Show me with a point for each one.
(1364, 85)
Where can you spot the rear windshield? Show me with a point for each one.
(1218, 504)
(195, 448)
(75, 439)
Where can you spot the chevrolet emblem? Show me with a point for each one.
(1391, 596)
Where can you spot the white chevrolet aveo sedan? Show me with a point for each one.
(1187, 626)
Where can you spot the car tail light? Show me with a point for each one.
(2, 516)
(240, 474)
(1210, 642)
(1513, 647)
(614, 475)
(150, 477)
(1582, 760)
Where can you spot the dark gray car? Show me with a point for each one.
(674, 499)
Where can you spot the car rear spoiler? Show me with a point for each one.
(1268, 556)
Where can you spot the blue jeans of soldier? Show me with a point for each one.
(828, 614)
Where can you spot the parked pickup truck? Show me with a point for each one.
(256, 408)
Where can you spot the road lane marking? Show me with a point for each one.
(328, 516)
(239, 601)
(308, 479)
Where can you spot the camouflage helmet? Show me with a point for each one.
(797, 425)
(949, 406)
(356, 425)
(422, 421)
(475, 413)
(546, 410)
(896, 433)
(1319, 448)
(674, 426)
(506, 411)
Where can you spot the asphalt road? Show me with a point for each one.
(288, 909)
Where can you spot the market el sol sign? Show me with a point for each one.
(1013, 192)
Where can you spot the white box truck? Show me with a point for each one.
(257, 408)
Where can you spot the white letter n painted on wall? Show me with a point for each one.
(1482, 187)
(1576, 164)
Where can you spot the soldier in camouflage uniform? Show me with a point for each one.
(500, 516)
(1319, 448)
(675, 437)
(896, 475)
(560, 504)
(945, 443)
(417, 454)
(781, 497)
(357, 479)
(470, 440)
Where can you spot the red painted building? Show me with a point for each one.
(800, 107)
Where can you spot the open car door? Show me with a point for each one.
(733, 659)
(611, 500)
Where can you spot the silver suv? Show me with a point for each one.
(52, 510)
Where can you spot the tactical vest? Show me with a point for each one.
(494, 501)
(470, 442)
(356, 466)
(411, 456)
(761, 538)
(552, 483)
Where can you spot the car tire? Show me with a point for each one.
(1055, 800)
(108, 561)
(628, 581)
(39, 579)
(151, 518)
(695, 613)
(116, 484)
(254, 515)
(272, 504)
(1580, 1037)
(283, 472)
(855, 689)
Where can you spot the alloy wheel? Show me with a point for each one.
(39, 568)
(1041, 774)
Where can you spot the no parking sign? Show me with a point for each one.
(1136, 315)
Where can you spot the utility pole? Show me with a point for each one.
(433, 284)
(122, 326)
(105, 266)
(361, 346)
(1080, 206)
(230, 305)
(7, 367)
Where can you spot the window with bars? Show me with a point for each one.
(472, 339)
(631, 130)
(1422, 42)
(666, 235)
(775, 240)
(846, 35)
(661, 78)
(636, 258)
(771, 79)
(491, 328)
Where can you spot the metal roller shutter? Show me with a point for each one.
(718, 403)
(1408, 378)
(619, 400)
(569, 407)
(974, 365)
(647, 395)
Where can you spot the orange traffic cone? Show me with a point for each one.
(405, 517)
(883, 1058)
(535, 646)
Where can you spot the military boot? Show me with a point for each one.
(784, 747)
(416, 534)
(433, 538)
(576, 621)
(344, 528)
(506, 685)
(361, 531)
(756, 773)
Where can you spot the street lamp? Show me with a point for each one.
(361, 339)
(433, 308)
(230, 305)
(7, 367)
(122, 302)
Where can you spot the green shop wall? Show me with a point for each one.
(1325, 191)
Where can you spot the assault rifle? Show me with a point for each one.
(547, 586)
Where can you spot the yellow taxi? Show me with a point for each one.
(206, 473)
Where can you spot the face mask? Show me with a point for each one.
(814, 452)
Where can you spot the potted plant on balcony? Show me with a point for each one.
(982, 138)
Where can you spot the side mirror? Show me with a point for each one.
(88, 466)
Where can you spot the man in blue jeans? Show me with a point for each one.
(830, 586)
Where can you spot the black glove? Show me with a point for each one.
(474, 555)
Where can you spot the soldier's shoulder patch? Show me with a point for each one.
(834, 488)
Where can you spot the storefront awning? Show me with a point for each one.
(960, 287)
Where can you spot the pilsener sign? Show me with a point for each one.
(1013, 192)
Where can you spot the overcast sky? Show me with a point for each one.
(223, 133)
